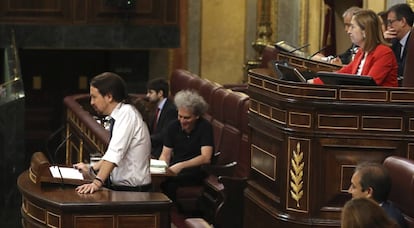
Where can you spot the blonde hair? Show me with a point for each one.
(369, 22)
(364, 212)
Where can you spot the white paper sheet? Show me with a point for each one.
(67, 173)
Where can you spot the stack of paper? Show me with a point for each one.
(158, 166)
(65, 173)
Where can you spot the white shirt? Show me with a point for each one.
(403, 42)
(361, 64)
(161, 106)
(129, 148)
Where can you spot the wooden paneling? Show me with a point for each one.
(307, 140)
(61, 207)
(30, 11)
(143, 12)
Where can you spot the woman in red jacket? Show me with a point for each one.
(374, 57)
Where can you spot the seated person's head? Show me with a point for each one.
(363, 213)
(347, 16)
(365, 30)
(370, 180)
(191, 106)
(157, 89)
(400, 19)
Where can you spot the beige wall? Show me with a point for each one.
(375, 5)
(222, 40)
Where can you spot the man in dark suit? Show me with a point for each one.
(165, 112)
(399, 24)
(347, 56)
(372, 180)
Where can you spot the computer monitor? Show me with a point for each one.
(288, 73)
(333, 78)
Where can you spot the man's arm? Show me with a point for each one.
(104, 171)
(203, 158)
(166, 154)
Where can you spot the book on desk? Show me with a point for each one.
(158, 166)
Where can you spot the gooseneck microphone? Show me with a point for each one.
(53, 158)
(61, 144)
(299, 48)
(319, 51)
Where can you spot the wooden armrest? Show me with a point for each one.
(215, 157)
(220, 170)
(197, 223)
(230, 211)
(233, 185)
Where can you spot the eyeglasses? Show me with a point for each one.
(389, 22)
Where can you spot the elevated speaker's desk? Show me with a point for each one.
(307, 140)
(56, 206)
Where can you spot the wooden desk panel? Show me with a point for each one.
(307, 140)
(62, 206)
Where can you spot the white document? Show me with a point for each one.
(157, 170)
(157, 166)
(158, 163)
(67, 173)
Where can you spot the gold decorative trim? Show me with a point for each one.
(301, 114)
(304, 88)
(342, 177)
(32, 176)
(320, 116)
(281, 112)
(81, 150)
(401, 94)
(342, 96)
(273, 177)
(411, 124)
(296, 175)
(40, 210)
(410, 151)
(379, 118)
(58, 217)
(78, 218)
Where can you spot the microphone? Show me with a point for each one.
(52, 137)
(320, 50)
(298, 48)
(55, 153)
(61, 144)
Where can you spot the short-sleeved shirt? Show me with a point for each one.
(129, 148)
(187, 146)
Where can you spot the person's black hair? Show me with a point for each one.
(403, 11)
(159, 84)
(377, 177)
(110, 83)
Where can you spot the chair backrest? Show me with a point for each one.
(180, 79)
(207, 90)
(402, 192)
